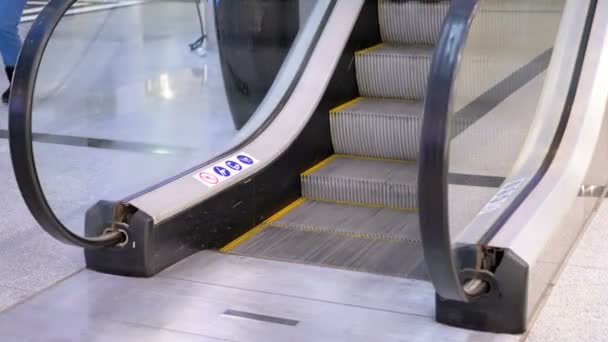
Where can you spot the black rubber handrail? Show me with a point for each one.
(20, 132)
(434, 152)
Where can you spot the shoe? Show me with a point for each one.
(9, 74)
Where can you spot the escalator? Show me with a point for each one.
(416, 140)
(358, 207)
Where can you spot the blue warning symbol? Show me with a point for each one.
(221, 171)
(234, 165)
(244, 159)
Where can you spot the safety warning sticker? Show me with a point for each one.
(503, 195)
(225, 169)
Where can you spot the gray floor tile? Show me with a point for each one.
(591, 250)
(33, 261)
(600, 221)
(576, 309)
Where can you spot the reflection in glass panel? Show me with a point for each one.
(496, 95)
(127, 96)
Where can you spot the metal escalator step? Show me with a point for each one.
(363, 181)
(376, 240)
(392, 71)
(356, 221)
(411, 21)
(380, 128)
(395, 258)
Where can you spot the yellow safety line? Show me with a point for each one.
(319, 165)
(355, 100)
(369, 49)
(262, 225)
(347, 104)
(364, 205)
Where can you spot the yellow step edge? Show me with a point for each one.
(347, 104)
(319, 165)
(363, 205)
(355, 100)
(251, 233)
(369, 49)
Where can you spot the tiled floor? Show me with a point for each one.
(577, 308)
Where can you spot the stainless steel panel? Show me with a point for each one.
(97, 307)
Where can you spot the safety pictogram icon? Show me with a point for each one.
(208, 178)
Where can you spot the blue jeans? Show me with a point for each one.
(10, 42)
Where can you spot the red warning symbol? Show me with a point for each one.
(208, 178)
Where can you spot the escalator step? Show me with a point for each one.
(392, 71)
(378, 128)
(378, 240)
(363, 181)
(411, 22)
(396, 258)
(349, 220)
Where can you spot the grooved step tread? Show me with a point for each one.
(363, 181)
(375, 240)
(341, 219)
(375, 170)
(377, 127)
(393, 71)
(411, 22)
(372, 105)
(399, 258)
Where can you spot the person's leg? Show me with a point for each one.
(10, 42)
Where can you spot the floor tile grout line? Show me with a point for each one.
(16, 288)
(36, 293)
